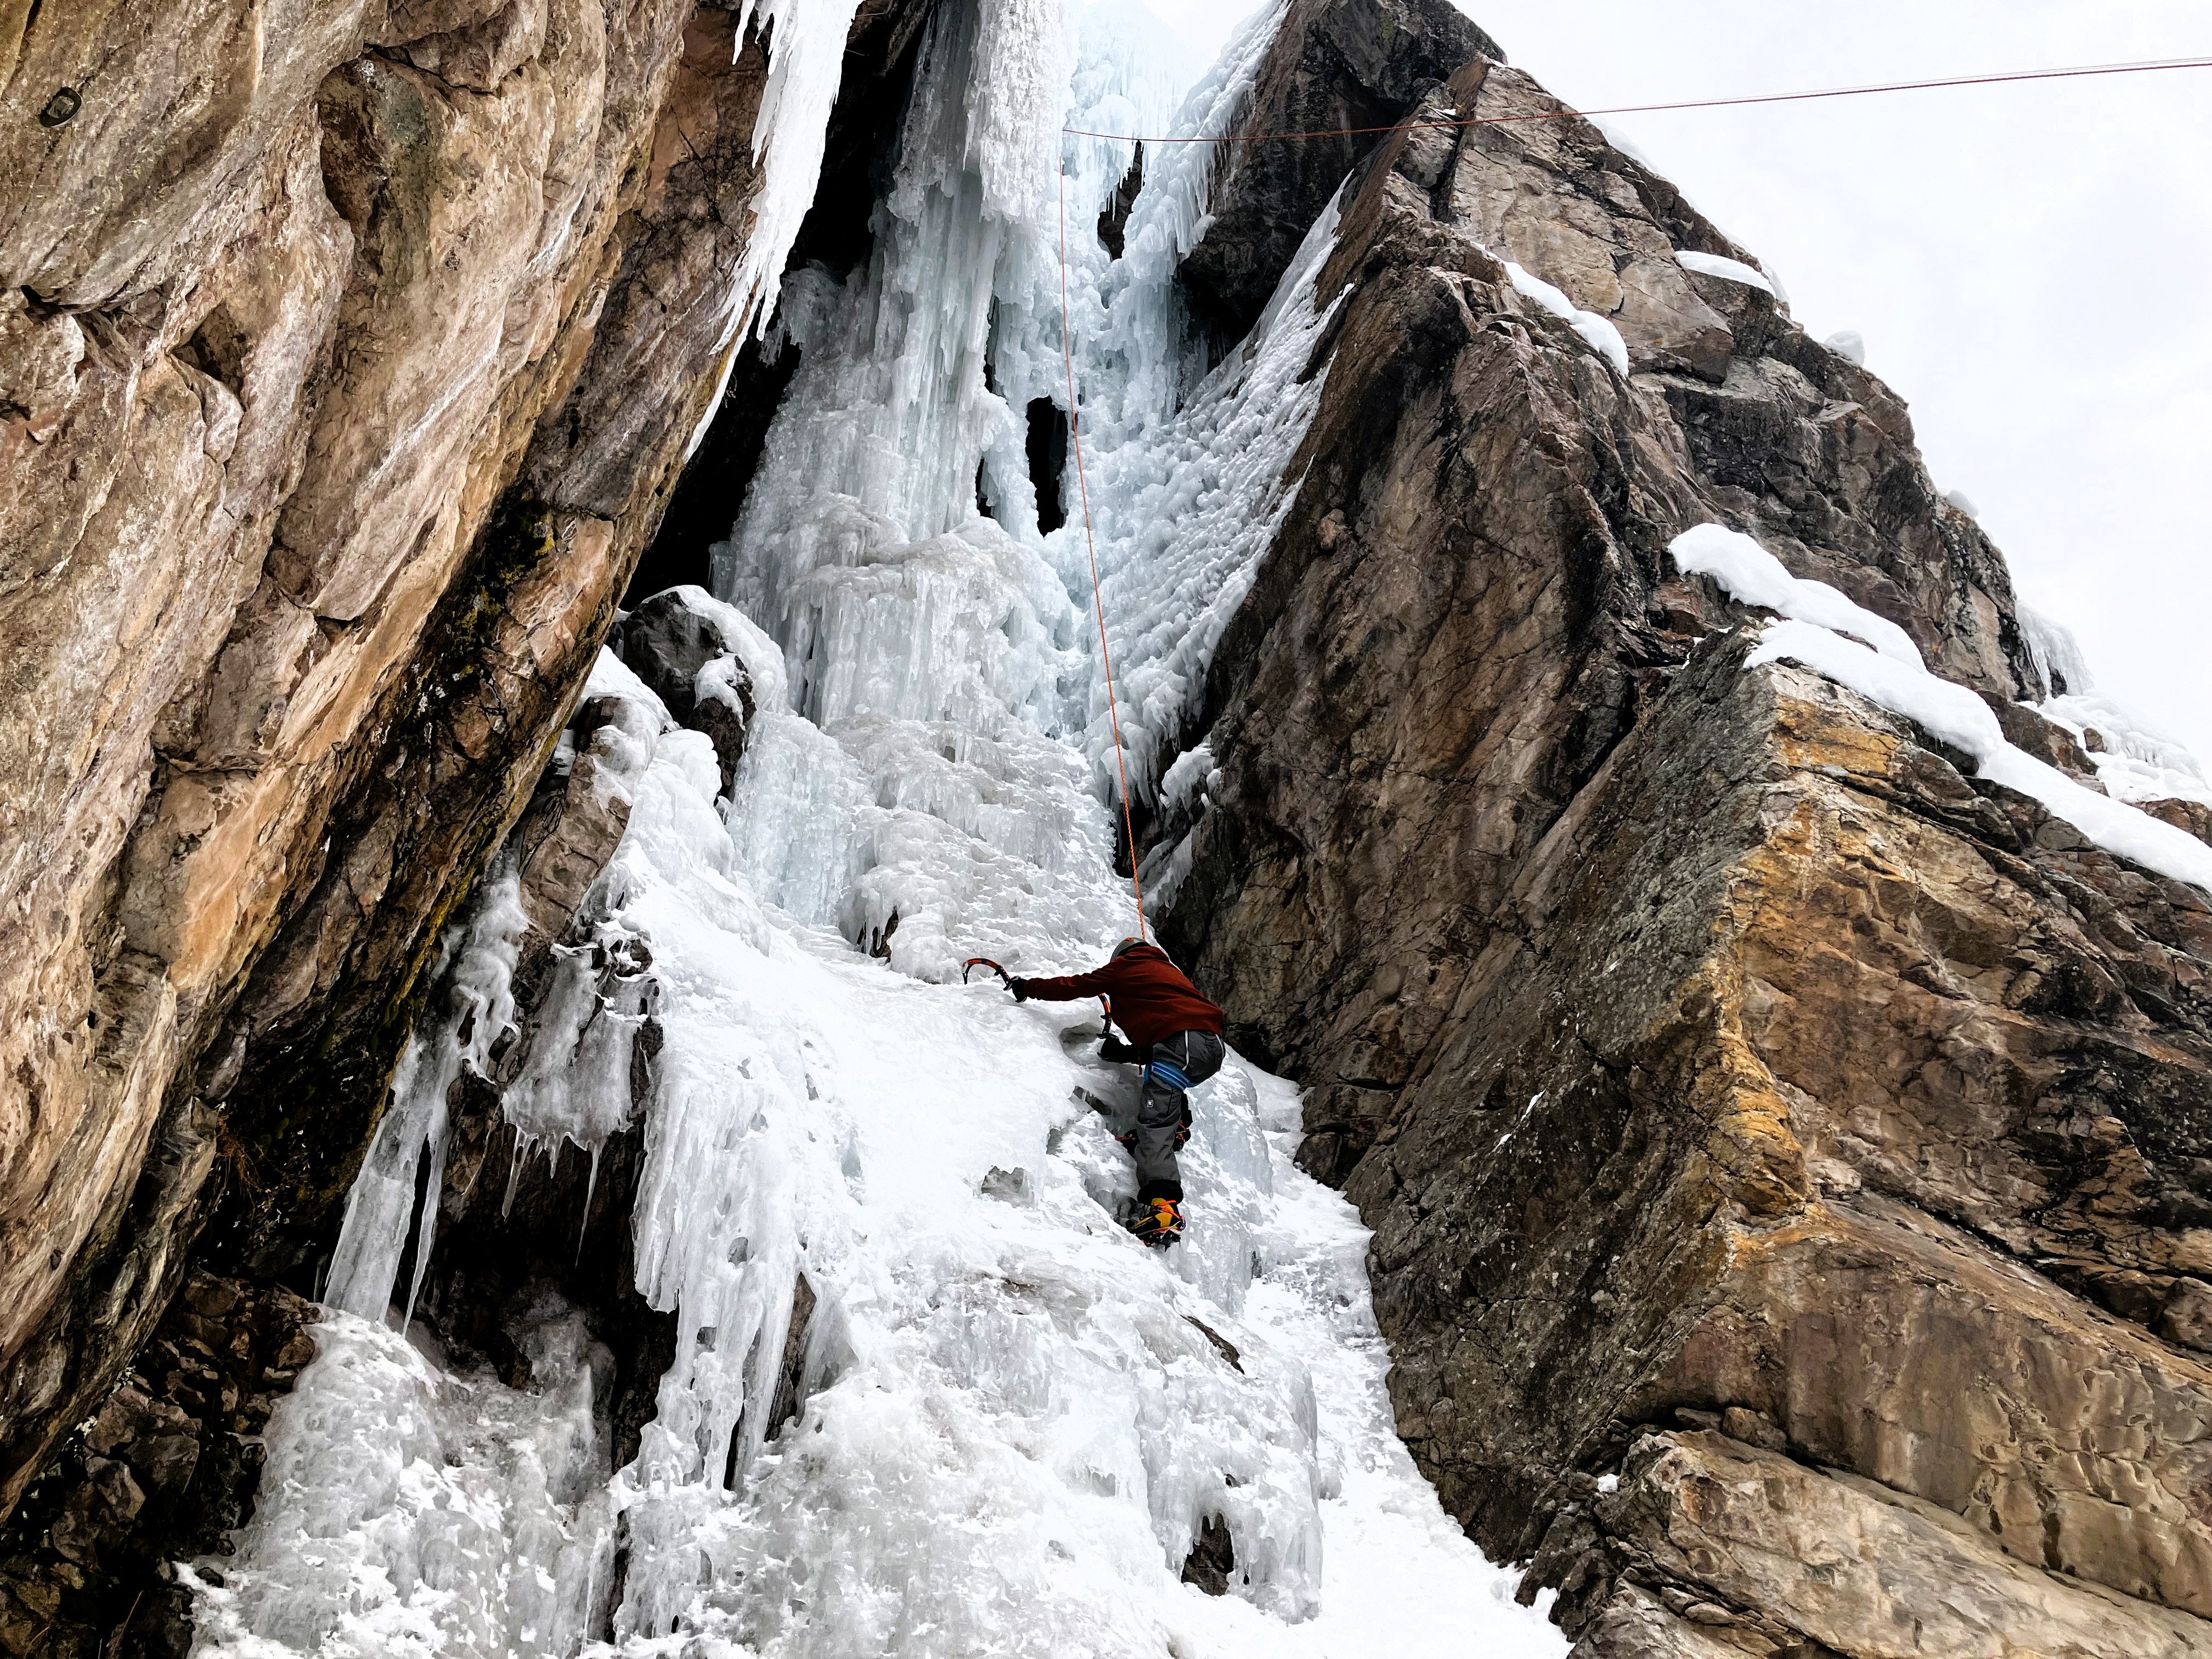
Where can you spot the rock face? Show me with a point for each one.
(1789, 1156)
(1709, 1050)
(1336, 65)
(349, 355)
(165, 1467)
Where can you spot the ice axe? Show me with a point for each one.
(1105, 1003)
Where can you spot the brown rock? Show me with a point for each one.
(576, 821)
(164, 1471)
(339, 388)
(2194, 816)
(1634, 1625)
(1857, 1568)
(1694, 1042)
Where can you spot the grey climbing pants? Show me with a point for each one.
(1178, 1063)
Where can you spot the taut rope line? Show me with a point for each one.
(2146, 66)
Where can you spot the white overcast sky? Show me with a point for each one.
(2028, 263)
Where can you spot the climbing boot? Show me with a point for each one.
(1158, 1222)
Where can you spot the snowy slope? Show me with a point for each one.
(1014, 1422)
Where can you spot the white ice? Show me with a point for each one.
(1813, 633)
(1732, 270)
(2136, 760)
(1013, 1421)
(1015, 1429)
(475, 972)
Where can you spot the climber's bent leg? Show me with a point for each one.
(1179, 1063)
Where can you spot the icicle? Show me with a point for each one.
(475, 975)
(591, 1186)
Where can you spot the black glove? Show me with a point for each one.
(1114, 1049)
(1020, 987)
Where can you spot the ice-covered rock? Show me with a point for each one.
(923, 1393)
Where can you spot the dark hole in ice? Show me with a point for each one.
(1212, 1559)
(1047, 450)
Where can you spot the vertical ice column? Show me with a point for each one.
(889, 409)
(479, 993)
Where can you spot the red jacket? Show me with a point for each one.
(1151, 998)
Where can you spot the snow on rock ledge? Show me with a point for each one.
(1816, 621)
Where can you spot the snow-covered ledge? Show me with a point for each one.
(1821, 629)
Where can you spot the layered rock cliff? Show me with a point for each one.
(1786, 1149)
(348, 356)
(1755, 1107)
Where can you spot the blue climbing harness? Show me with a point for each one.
(1172, 1076)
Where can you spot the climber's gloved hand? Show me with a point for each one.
(1020, 987)
(1114, 1049)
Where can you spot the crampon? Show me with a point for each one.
(1158, 1222)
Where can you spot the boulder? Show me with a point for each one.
(677, 642)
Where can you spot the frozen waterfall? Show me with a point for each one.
(927, 1396)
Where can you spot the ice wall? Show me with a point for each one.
(476, 975)
(927, 1395)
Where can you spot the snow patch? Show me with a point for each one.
(1958, 717)
(1732, 270)
(1848, 344)
(1755, 576)
(1598, 332)
(1812, 634)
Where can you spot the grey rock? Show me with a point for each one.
(667, 640)
(1874, 1101)
(1335, 63)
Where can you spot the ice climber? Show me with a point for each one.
(1175, 1034)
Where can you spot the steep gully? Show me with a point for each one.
(1722, 1175)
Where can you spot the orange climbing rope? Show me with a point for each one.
(2076, 73)
(1097, 603)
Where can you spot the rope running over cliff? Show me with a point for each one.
(1067, 346)
(2145, 67)
(1097, 602)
